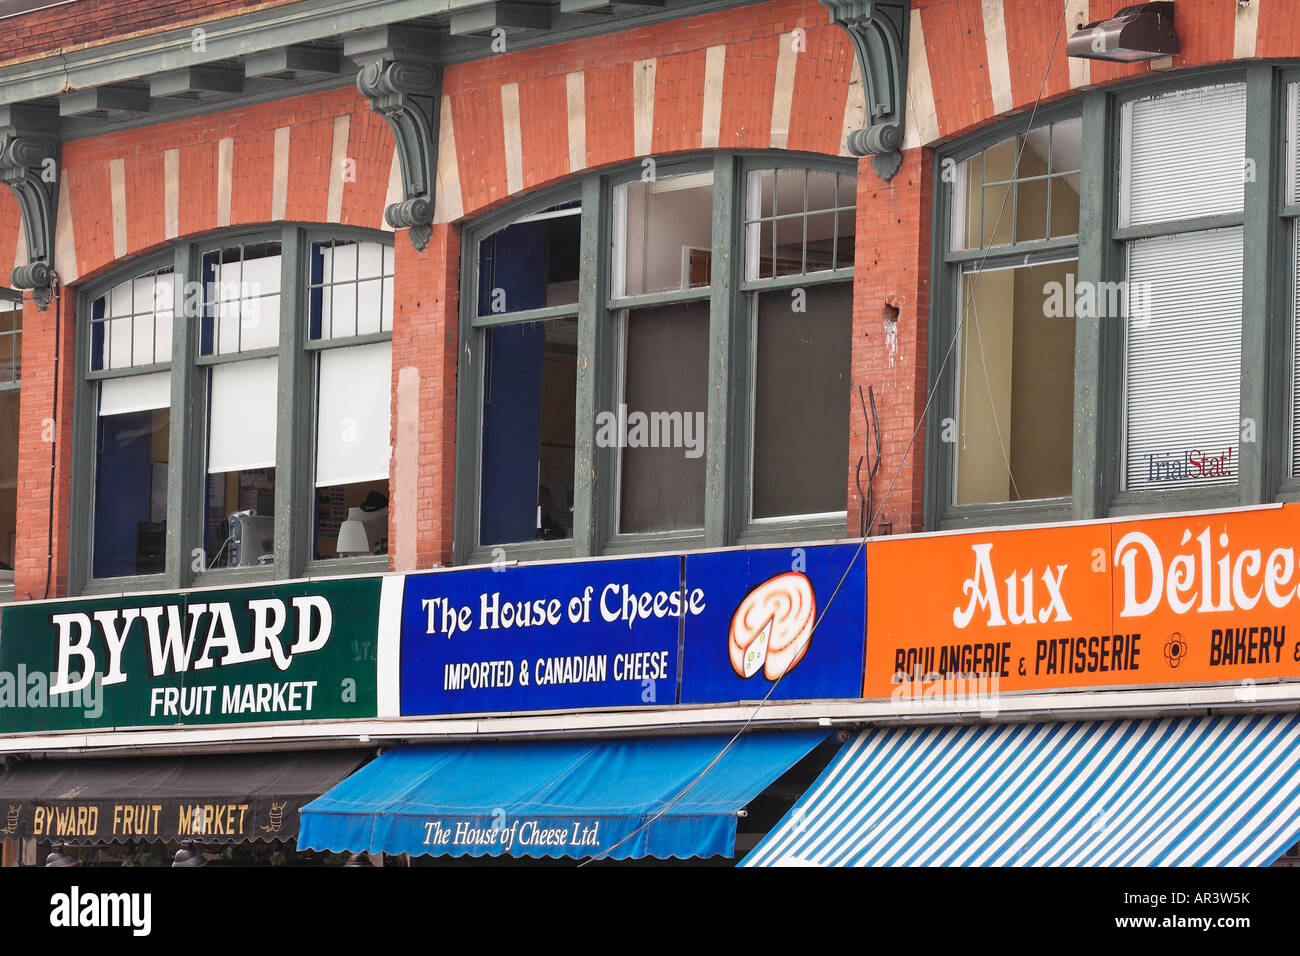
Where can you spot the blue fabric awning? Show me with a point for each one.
(554, 798)
(1195, 791)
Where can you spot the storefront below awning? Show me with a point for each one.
(613, 799)
(1194, 791)
(227, 798)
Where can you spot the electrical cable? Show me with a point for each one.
(884, 498)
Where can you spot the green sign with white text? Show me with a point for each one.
(304, 651)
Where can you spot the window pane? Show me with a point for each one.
(1015, 388)
(240, 491)
(131, 324)
(350, 289)
(1065, 205)
(666, 238)
(350, 293)
(241, 299)
(1184, 155)
(793, 224)
(239, 530)
(131, 456)
(351, 520)
(1002, 195)
(1183, 363)
(529, 405)
(660, 425)
(1031, 209)
(8, 482)
(801, 403)
(532, 263)
(11, 341)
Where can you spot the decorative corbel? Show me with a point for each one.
(29, 165)
(878, 29)
(401, 78)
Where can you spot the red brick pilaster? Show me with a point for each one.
(425, 335)
(891, 302)
(44, 434)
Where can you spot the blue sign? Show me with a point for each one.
(640, 632)
(544, 637)
(769, 618)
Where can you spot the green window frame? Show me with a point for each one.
(729, 296)
(295, 353)
(1268, 224)
(11, 350)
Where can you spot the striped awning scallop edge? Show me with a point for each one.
(1190, 791)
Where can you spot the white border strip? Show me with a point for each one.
(388, 663)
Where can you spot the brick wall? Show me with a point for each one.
(44, 432)
(426, 325)
(86, 23)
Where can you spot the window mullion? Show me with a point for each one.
(592, 465)
(728, 365)
(1263, 349)
(294, 495)
(184, 482)
(1098, 341)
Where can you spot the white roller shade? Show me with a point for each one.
(353, 419)
(136, 393)
(241, 418)
(1183, 359)
(1184, 155)
(1292, 143)
(1295, 348)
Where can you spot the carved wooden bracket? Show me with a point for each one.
(878, 29)
(29, 166)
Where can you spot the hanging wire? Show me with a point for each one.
(884, 498)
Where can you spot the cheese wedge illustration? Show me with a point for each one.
(756, 653)
(771, 628)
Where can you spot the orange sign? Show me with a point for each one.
(1179, 600)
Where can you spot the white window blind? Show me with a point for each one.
(1292, 197)
(241, 418)
(352, 442)
(135, 393)
(1183, 360)
(1184, 155)
(1295, 348)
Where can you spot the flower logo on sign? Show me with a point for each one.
(771, 628)
(1175, 649)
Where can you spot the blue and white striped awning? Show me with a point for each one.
(1193, 791)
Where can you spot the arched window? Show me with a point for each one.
(659, 358)
(236, 410)
(1113, 321)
